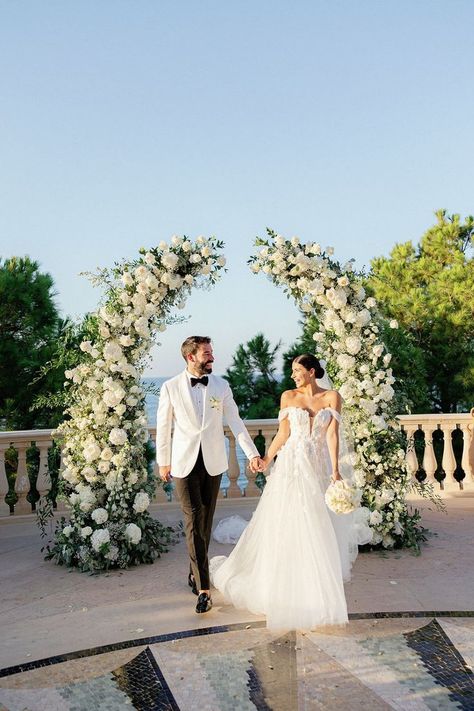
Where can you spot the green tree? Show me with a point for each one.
(429, 289)
(252, 377)
(28, 331)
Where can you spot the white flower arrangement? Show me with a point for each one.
(106, 478)
(347, 335)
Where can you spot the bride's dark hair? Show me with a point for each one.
(308, 361)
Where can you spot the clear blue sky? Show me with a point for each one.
(122, 123)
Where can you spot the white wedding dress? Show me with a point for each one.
(292, 558)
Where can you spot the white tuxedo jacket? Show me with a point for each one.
(179, 434)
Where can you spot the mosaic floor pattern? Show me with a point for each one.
(379, 662)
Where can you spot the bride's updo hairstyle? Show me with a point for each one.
(308, 361)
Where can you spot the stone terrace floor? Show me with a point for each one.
(125, 640)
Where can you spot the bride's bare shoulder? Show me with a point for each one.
(288, 398)
(333, 399)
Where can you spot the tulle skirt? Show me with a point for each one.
(290, 561)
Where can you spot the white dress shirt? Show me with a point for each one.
(197, 394)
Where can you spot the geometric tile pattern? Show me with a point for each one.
(374, 664)
(143, 682)
(444, 663)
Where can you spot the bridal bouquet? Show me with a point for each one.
(341, 497)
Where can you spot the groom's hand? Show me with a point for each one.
(255, 465)
(165, 473)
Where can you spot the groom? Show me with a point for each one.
(190, 448)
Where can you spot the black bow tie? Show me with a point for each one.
(204, 381)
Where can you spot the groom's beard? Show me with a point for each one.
(204, 368)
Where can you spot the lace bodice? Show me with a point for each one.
(302, 425)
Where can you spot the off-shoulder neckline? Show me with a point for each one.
(293, 407)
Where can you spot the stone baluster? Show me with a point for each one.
(234, 469)
(43, 482)
(411, 458)
(60, 503)
(22, 481)
(4, 507)
(466, 464)
(449, 460)
(429, 460)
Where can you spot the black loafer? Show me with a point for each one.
(204, 603)
(192, 584)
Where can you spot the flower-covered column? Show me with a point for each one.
(348, 336)
(106, 478)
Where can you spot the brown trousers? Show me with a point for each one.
(198, 494)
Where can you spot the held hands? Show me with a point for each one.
(258, 464)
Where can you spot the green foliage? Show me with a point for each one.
(252, 378)
(29, 323)
(428, 288)
(54, 397)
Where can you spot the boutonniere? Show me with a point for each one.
(215, 403)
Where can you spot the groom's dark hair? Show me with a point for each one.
(191, 344)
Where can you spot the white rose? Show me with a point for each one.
(162, 245)
(106, 454)
(221, 261)
(86, 531)
(100, 537)
(85, 346)
(377, 350)
(141, 502)
(133, 533)
(99, 516)
(170, 260)
(375, 518)
(176, 240)
(126, 340)
(186, 246)
(112, 397)
(112, 351)
(149, 258)
(91, 452)
(189, 279)
(387, 358)
(205, 252)
(329, 251)
(67, 530)
(118, 436)
(103, 467)
(127, 279)
(343, 281)
(393, 323)
(370, 303)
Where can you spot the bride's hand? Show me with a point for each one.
(265, 464)
(336, 476)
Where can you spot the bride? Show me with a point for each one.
(292, 558)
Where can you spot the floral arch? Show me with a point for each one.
(347, 335)
(106, 478)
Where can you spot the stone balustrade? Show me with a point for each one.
(443, 455)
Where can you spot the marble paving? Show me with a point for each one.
(376, 662)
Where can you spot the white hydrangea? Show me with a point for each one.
(99, 516)
(100, 537)
(141, 502)
(133, 533)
